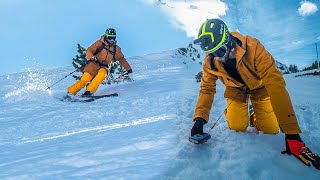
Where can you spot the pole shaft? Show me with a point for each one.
(61, 79)
(317, 51)
(317, 56)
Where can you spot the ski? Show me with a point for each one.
(77, 99)
(100, 96)
(86, 98)
(82, 100)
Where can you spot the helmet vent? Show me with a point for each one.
(211, 25)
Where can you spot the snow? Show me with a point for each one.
(302, 73)
(143, 133)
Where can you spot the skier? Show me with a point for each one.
(247, 70)
(100, 54)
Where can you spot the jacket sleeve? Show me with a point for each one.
(120, 57)
(207, 92)
(275, 85)
(92, 49)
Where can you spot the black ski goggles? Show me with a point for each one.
(111, 38)
(204, 43)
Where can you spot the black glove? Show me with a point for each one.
(93, 58)
(295, 146)
(197, 127)
(126, 76)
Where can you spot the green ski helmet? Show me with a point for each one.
(111, 34)
(214, 37)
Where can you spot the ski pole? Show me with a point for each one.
(62, 79)
(202, 138)
(224, 111)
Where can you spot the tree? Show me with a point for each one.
(79, 61)
(199, 76)
(293, 68)
(314, 65)
(117, 74)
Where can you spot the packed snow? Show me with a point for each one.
(143, 133)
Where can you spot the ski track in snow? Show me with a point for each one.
(103, 128)
(143, 133)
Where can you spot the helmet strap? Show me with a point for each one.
(231, 53)
(230, 43)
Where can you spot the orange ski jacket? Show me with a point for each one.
(258, 70)
(104, 57)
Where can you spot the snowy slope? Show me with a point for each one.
(283, 68)
(143, 133)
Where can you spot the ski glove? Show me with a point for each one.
(295, 146)
(197, 127)
(93, 58)
(125, 76)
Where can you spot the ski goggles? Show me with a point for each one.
(205, 42)
(111, 38)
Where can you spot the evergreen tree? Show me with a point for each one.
(117, 74)
(79, 61)
(293, 68)
(199, 76)
(314, 65)
(290, 67)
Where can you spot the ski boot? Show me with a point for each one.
(87, 94)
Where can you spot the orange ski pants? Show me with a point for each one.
(85, 79)
(264, 118)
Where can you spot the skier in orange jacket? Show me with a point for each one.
(247, 70)
(100, 54)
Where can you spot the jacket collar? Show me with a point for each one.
(239, 50)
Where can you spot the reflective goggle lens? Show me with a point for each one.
(205, 42)
(111, 38)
